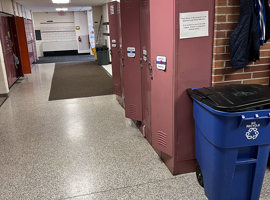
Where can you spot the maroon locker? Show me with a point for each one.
(16, 45)
(130, 25)
(188, 65)
(121, 99)
(7, 47)
(146, 68)
(115, 31)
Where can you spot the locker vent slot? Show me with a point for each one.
(162, 138)
(132, 110)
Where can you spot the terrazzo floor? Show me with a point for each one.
(80, 149)
(2, 100)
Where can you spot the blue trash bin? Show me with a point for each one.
(232, 148)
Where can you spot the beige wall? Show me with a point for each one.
(7, 6)
(57, 36)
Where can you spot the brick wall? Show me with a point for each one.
(226, 18)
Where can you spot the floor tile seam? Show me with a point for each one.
(119, 188)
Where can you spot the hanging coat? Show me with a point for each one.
(245, 40)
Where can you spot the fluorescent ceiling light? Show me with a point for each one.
(61, 9)
(61, 1)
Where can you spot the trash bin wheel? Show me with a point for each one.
(199, 175)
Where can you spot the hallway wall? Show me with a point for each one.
(57, 32)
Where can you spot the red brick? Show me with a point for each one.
(227, 83)
(265, 53)
(220, 34)
(221, 2)
(263, 61)
(257, 68)
(219, 50)
(228, 10)
(220, 18)
(225, 26)
(218, 64)
(222, 57)
(233, 2)
(263, 81)
(217, 78)
(228, 49)
(220, 42)
(266, 46)
(227, 71)
(261, 74)
(232, 77)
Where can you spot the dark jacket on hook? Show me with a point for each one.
(245, 40)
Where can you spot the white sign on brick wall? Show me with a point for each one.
(194, 24)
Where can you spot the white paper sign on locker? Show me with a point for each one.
(194, 24)
(161, 63)
(114, 45)
(131, 52)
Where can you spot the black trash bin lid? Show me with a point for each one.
(233, 98)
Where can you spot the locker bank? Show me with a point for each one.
(95, 99)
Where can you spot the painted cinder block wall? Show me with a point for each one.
(226, 18)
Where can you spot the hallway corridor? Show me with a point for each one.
(80, 149)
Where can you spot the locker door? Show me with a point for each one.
(16, 46)
(23, 45)
(162, 44)
(146, 68)
(120, 49)
(115, 46)
(7, 45)
(130, 19)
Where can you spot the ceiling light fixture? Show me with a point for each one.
(61, 9)
(61, 1)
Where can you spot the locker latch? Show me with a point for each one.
(141, 62)
(150, 70)
(123, 61)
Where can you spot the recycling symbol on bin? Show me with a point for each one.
(252, 134)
